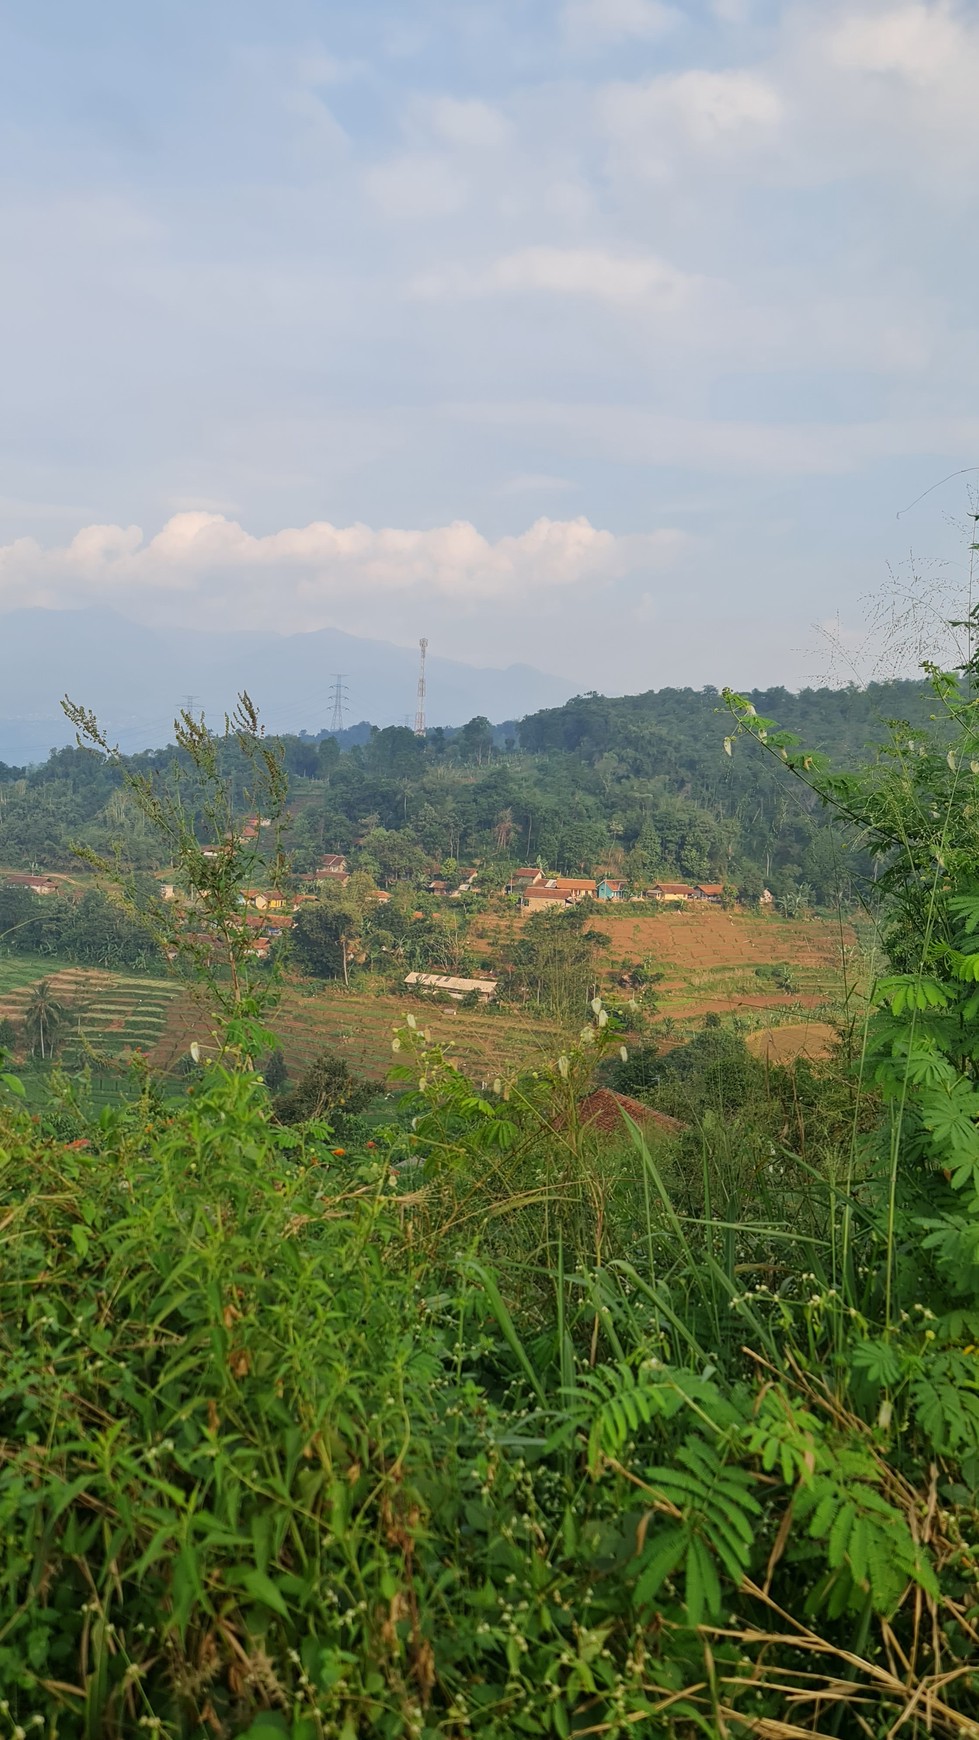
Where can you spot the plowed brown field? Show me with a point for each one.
(812, 1039)
(711, 961)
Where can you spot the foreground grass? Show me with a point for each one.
(480, 1431)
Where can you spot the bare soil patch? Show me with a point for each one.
(811, 1039)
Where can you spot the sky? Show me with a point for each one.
(613, 336)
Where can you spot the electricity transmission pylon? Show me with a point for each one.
(420, 705)
(340, 700)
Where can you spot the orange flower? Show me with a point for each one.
(339, 1153)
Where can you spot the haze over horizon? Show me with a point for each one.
(605, 336)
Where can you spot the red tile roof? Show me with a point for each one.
(603, 1109)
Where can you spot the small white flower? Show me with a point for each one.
(195, 1051)
(410, 1020)
(623, 1053)
(563, 1067)
(395, 1044)
(596, 1004)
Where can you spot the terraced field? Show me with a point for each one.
(360, 1026)
(785, 978)
(110, 1015)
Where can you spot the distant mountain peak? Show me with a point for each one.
(136, 678)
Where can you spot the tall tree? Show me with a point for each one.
(44, 1018)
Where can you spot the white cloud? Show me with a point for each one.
(416, 186)
(305, 577)
(589, 272)
(919, 42)
(469, 123)
(651, 121)
(587, 22)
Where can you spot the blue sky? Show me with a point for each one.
(609, 335)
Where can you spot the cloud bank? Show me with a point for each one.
(312, 576)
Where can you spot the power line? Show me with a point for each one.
(340, 700)
(420, 706)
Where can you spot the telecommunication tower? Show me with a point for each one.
(340, 700)
(420, 705)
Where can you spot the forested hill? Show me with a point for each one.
(681, 728)
(638, 786)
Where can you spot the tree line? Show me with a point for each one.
(638, 785)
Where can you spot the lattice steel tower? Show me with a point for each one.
(340, 700)
(420, 705)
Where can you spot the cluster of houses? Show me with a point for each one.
(537, 891)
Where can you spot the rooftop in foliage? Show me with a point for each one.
(605, 1111)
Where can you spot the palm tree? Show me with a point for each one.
(43, 1018)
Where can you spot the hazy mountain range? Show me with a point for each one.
(136, 678)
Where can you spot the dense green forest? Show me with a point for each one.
(638, 785)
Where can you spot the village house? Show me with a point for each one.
(530, 877)
(451, 987)
(611, 888)
(713, 892)
(264, 900)
(670, 892)
(252, 825)
(575, 887)
(556, 891)
(25, 879)
(604, 1113)
(269, 925)
(440, 886)
(332, 868)
(539, 899)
